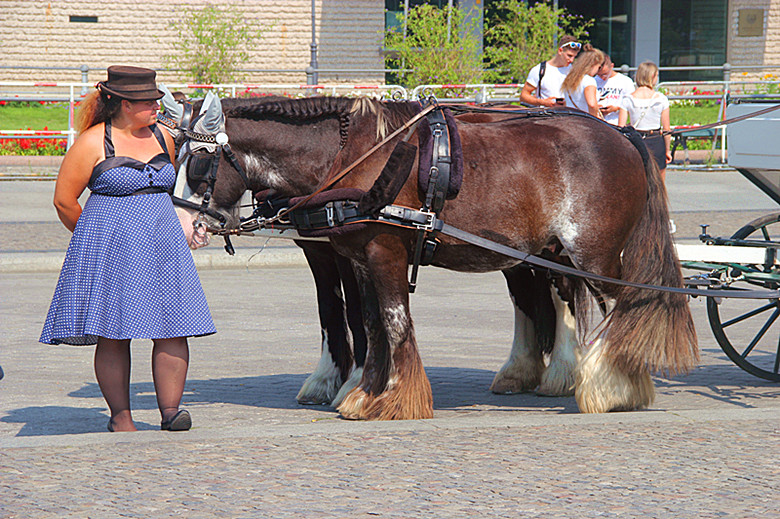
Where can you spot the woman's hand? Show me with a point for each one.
(592, 98)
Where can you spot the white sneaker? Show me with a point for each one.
(672, 227)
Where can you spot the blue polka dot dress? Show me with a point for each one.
(128, 272)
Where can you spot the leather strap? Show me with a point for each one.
(563, 269)
(352, 166)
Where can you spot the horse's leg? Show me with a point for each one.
(523, 369)
(335, 363)
(600, 385)
(355, 321)
(558, 377)
(394, 385)
(646, 330)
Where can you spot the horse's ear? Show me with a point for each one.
(213, 119)
(171, 108)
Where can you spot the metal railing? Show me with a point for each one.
(67, 92)
(72, 93)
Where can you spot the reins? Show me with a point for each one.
(427, 221)
(725, 122)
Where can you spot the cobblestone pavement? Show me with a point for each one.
(707, 447)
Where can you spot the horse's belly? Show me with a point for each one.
(469, 258)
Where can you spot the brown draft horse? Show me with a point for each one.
(315, 124)
(533, 184)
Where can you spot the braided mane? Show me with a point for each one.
(299, 110)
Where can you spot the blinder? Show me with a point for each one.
(199, 166)
(203, 164)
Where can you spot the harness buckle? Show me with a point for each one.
(430, 221)
(329, 215)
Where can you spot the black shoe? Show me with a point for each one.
(181, 421)
(110, 425)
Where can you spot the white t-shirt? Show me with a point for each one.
(576, 99)
(645, 114)
(551, 81)
(611, 93)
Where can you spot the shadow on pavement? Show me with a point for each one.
(52, 420)
(454, 389)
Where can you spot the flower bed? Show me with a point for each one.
(40, 143)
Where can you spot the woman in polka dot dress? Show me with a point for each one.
(128, 273)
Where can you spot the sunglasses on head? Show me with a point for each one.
(573, 44)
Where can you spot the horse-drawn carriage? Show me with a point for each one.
(749, 335)
(579, 200)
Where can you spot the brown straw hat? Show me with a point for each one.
(131, 83)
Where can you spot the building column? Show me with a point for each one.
(646, 21)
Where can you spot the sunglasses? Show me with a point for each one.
(573, 44)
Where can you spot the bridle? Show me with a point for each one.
(203, 166)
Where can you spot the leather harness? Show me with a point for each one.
(425, 220)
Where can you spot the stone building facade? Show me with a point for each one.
(754, 35)
(62, 35)
(99, 33)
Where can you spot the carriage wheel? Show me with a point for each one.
(742, 327)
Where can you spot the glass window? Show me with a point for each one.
(393, 7)
(693, 32)
(611, 29)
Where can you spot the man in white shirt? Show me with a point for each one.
(552, 73)
(611, 87)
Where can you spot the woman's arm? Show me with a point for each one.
(74, 175)
(622, 117)
(592, 99)
(171, 146)
(666, 126)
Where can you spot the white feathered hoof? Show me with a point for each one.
(351, 383)
(321, 387)
(557, 380)
(518, 376)
(601, 388)
(317, 391)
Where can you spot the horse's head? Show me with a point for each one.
(200, 145)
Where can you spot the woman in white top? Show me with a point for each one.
(579, 87)
(648, 112)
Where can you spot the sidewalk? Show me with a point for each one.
(704, 448)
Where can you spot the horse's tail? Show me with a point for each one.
(650, 329)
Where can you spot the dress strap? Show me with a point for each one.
(157, 133)
(108, 145)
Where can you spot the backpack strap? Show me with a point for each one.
(542, 69)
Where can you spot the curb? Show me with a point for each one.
(216, 259)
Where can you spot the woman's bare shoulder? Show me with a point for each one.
(88, 147)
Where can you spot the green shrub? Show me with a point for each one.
(434, 55)
(518, 37)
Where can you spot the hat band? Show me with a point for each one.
(131, 88)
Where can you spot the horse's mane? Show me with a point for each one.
(389, 115)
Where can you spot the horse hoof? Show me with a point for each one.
(504, 384)
(557, 380)
(320, 388)
(352, 405)
(601, 388)
(351, 383)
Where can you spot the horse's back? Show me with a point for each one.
(529, 182)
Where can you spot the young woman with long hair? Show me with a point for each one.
(648, 112)
(579, 87)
